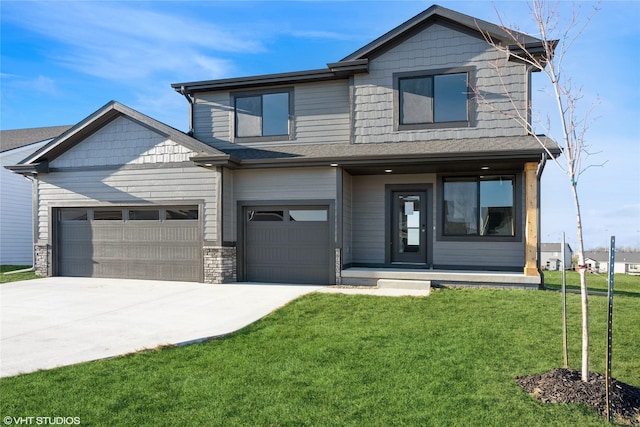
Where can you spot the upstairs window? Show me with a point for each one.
(264, 115)
(433, 100)
(482, 206)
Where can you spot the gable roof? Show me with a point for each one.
(38, 161)
(358, 61)
(439, 14)
(16, 138)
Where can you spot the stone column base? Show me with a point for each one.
(42, 253)
(219, 264)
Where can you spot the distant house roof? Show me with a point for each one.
(628, 257)
(603, 256)
(16, 138)
(552, 247)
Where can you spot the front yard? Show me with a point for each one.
(447, 359)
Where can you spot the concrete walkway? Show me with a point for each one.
(60, 321)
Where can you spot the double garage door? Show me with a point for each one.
(288, 244)
(282, 244)
(162, 243)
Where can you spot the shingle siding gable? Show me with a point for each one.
(436, 47)
(123, 142)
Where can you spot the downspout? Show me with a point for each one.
(191, 100)
(541, 166)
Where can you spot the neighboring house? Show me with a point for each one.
(624, 262)
(16, 206)
(380, 166)
(551, 256)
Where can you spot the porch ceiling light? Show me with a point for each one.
(388, 170)
(334, 165)
(485, 168)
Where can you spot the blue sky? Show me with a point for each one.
(61, 61)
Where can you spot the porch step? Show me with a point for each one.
(404, 284)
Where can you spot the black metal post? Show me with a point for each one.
(612, 256)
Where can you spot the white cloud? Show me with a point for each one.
(123, 41)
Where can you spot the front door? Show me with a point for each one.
(409, 227)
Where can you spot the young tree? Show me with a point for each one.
(548, 58)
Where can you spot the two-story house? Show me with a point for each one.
(380, 166)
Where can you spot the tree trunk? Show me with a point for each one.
(582, 270)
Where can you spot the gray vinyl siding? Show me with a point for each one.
(16, 209)
(347, 218)
(436, 47)
(169, 185)
(321, 115)
(278, 185)
(368, 214)
(126, 163)
(483, 254)
(479, 254)
(369, 224)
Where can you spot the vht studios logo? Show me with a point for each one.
(41, 421)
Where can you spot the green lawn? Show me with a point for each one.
(449, 359)
(623, 284)
(4, 278)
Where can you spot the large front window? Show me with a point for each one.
(262, 115)
(431, 99)
(479, 206)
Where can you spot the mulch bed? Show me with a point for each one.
(565, 386)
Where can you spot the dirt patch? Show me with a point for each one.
(565, 386)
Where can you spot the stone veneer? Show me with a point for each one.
(219, 264)
(41, 267)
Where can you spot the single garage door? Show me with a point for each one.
(161, 243)
(288, 245)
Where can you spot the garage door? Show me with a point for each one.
(162, 243)
(288, 245)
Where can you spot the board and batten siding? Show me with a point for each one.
(436, 47)
(277, 185)
(320, 116)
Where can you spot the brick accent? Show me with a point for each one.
(42, 255)
(219, 264)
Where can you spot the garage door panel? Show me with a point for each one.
(280, 249)
(163, 250)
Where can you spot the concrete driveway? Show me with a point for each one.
(60, 321)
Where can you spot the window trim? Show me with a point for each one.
(471, 104)
(234, 120)
(518, 210)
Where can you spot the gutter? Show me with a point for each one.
(191, 100)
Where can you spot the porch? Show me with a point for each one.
(375, 277)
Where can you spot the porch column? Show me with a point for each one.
(531, 229)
